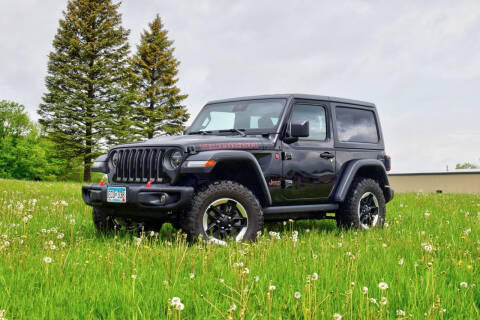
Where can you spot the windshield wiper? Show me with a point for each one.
(202, 132)
(239, 131)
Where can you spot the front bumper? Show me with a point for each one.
(157, 196)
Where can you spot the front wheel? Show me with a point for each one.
(224, 210)
(364, 206)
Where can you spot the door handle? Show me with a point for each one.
(327, 155)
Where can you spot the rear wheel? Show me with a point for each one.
(364, 206)
(224, 211)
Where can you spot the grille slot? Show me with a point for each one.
(139, 165)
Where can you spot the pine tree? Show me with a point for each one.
(158, 103)
(87, 101)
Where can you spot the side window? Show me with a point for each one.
(356, 125)
(316, 117)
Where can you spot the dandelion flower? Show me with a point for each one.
(365, 290)
(315, 276)
(400, 313)
(401, 261)
(383, 286)
(428, 248)
(246, 271)
(60, 236)
(179, 306)
(165, 282)
(384, 245)
(373, 300)
(257, 278)
(221, 280)
(192, 275)
(463, 284)
(47, 260)
(297, 295)
(232, 308)
(383, 301)
(337, 316)
(272, 287)
(134, 276)
(340, 244)
(175, 301)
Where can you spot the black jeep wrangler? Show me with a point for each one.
(247, 160)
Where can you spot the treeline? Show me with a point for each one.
(98, 94)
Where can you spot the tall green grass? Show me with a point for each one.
(428, 256)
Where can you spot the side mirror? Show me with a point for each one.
(300, 129)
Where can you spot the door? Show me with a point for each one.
(309, 163)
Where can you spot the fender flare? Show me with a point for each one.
(350, 173)
(222, 156)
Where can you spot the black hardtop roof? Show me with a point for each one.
(298, 96)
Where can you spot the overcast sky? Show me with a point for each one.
(419, 61)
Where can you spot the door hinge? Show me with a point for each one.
(287, 155)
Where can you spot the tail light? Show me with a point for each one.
(388, 163)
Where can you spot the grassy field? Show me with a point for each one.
(53, 265)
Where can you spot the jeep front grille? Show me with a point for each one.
(139, 165)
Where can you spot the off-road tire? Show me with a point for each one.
(192, 222)
(348, 213)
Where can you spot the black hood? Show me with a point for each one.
(206, 142)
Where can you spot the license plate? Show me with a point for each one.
(117, 194)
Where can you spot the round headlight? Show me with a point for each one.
(176, 159)
(115, 159)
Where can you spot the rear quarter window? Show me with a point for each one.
(356, 125)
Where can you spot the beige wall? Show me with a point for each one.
(448, 182)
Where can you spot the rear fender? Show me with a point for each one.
(370, 168)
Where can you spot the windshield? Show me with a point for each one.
(258, 115)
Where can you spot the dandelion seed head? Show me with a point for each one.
(383, 286)
(463, 284)
(297, 295)
(365, 290)
(337, 316)
(47, 259)
(383, 301)
(400, 313)
(272, 287)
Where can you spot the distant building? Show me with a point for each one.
(456, 181)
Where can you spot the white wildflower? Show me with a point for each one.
(401, 313)
(315, 276)
(134, 276)
(47, 260)
(60, 236)
(428, 248)
(365, 290)
(401, 261)
(179, 306)
(463, 284)
(383, 286)
(192, 275)
(337, 316)
(383, 301)
(272, 287)
(297, 295)
(175, 301)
